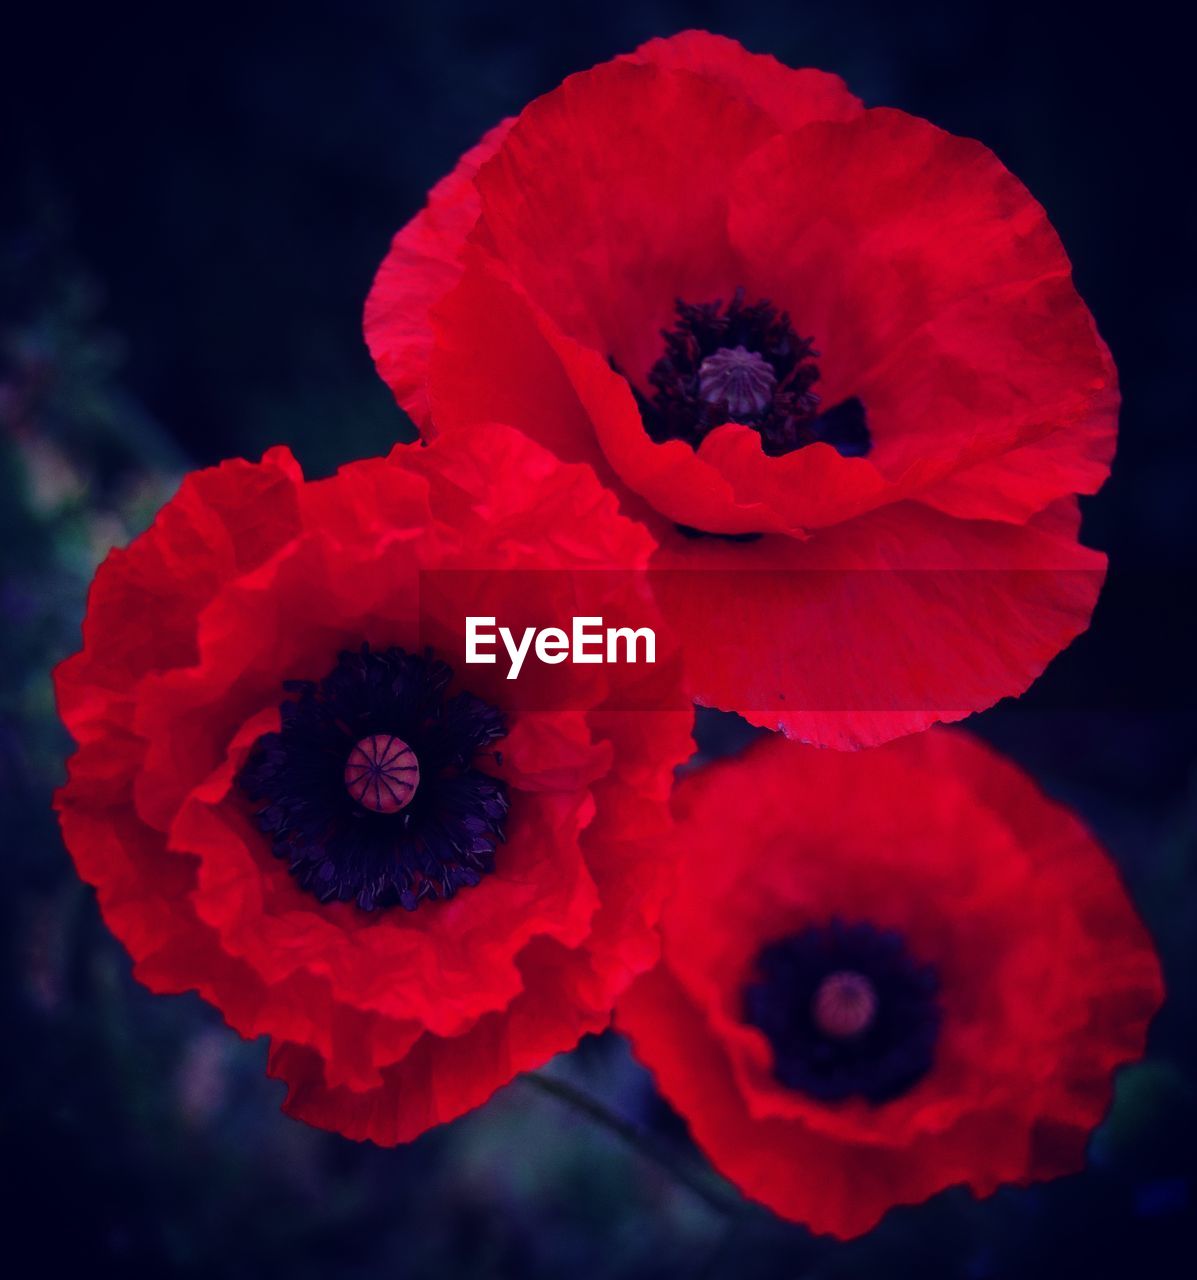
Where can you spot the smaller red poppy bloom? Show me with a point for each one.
(887, 974)
(417, 877)
(832, 356)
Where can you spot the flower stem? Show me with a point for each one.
(713, 1191)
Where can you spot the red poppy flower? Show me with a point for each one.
(886, 974)
(417, 879)
(833, 357)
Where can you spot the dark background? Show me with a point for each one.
(193, 201)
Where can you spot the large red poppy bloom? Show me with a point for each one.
(416, 878)
(886, 974)
(833, 357)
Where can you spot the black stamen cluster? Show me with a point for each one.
(885, 1060)
(336, 849)
(789, 419)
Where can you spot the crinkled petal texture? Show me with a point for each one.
(1047, 978)
(423, 264)
(936, 290)
(382, 1023)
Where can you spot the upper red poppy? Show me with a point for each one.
(280, 751)
(887, 974)
(843, 342)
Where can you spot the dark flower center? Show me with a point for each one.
(847, 1010)
(738, 378)
(370, 789)
(844, 1005)
(745, 364)
(382, 773)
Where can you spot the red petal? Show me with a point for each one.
(792, 97)
(879, 627)
(608, 200)
(939, 294)
(424, 260)
(422, 265)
